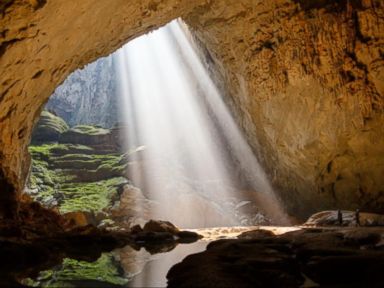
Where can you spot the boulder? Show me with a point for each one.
(310, 257)
(48, 128)
(256, 234)
(93, 136)
(160, 226)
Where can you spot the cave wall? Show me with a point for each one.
(304, 79)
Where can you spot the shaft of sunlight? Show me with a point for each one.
(195, 161)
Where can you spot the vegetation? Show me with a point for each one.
(91, 197)
(74, 177)
(100, 273)
(77, 181)
(90, 130)
(49, 128)
(48, 120)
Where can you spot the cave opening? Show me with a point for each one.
(172, 151)
(145, 134)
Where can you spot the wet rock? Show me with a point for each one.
(157, 232)
(256, 234)
(330, 218)
(160, 226)
(153, 237)
(136, 229)
(188, 236)
(323, 257)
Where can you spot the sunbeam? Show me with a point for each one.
(196, 164)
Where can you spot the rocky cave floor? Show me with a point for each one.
(262, 256)
(67, 224)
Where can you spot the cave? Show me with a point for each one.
(303, 83)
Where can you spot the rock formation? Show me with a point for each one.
(304, 258)
(88, 96)
(49, 128)
(304, 79)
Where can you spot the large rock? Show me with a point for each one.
(160, 226)
(49, 128)
(94, 136)
(305, 258)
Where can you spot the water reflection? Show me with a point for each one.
(124, 267)
(156, 268)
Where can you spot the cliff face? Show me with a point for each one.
(88, 96)
(305, 80)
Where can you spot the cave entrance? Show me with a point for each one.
(144, 134)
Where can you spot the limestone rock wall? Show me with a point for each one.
(88, 96)
(306, 80)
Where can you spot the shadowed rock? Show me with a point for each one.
(329, 258)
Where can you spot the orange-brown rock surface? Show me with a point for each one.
(304, 78)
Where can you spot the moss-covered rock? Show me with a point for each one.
(49, 128)
(94, 136)
(75, 177)
(105, 272)
(89, 196)
(82, 172)
(90, 130)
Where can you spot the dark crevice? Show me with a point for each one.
(40, 4)
(37, 74)
(8, 202)
(334, 6)
(9, 113)
(4, 45)
(2, 95)
(4, 4)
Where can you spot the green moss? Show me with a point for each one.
(49, 128)
(62, 149)
(94, 196)
(51, 121)
(103, 271)
(75, 157)
(90, 130)
(76, 177)
(91, 164)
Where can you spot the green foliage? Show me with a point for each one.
(104, 270)
(74, 157)
(62, 149)
(91, 164)
(75, 176)
(93, 196)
